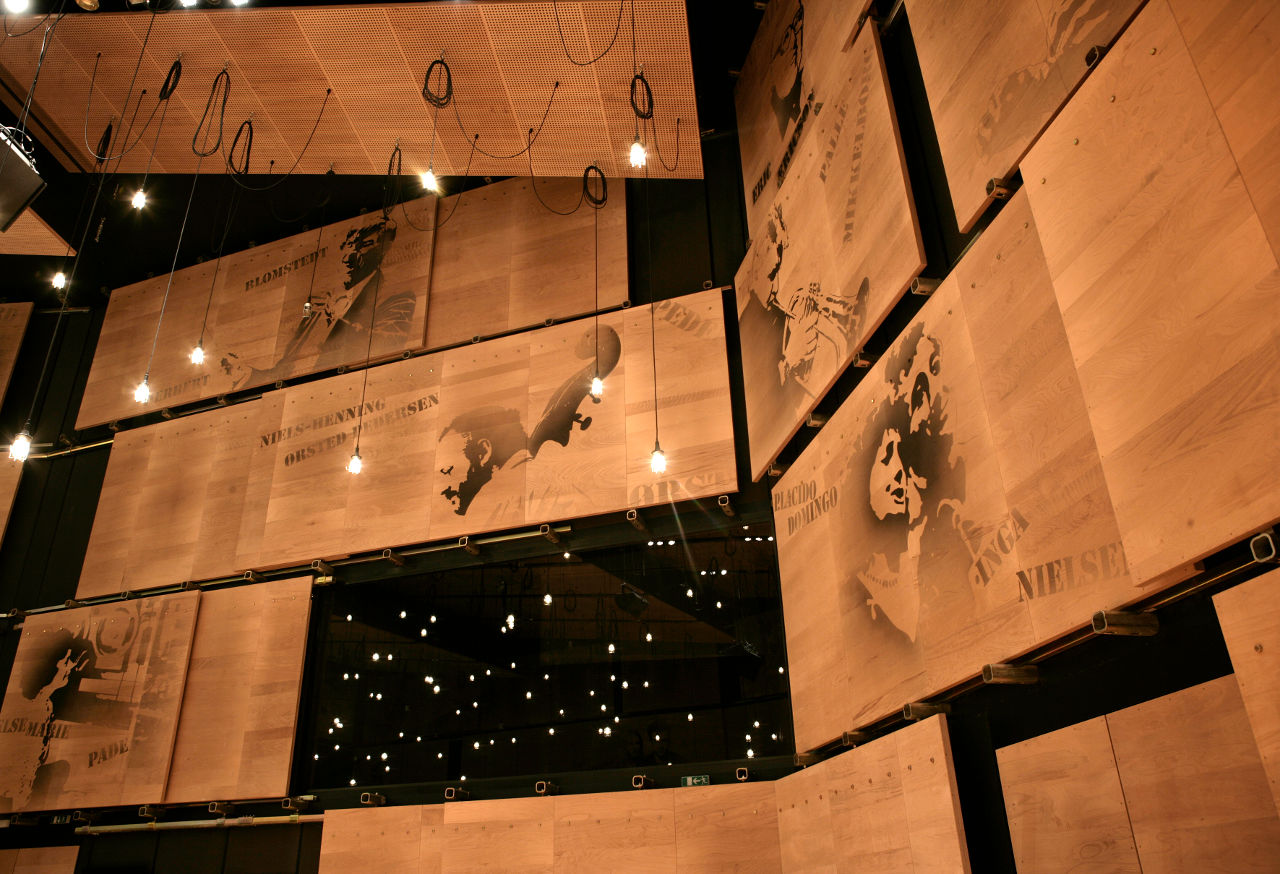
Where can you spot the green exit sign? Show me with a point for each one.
(696, 780)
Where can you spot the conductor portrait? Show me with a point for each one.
(476, 447)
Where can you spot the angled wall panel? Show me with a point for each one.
(13, 325)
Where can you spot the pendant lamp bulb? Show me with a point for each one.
(429, 181)
(59, 280)
(597, 387)
(354, 464)
(139, 199)
(16, 7)
(20, 448)
(637, 153)
(197, 354)
(142, 393)
(658, 460)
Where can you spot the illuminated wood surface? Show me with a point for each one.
(355, 273)
(264, 483)
(1065, 804)
(240, 705)
(889, 806)
(513, 834)
(616, 831)
(503, 262)
(1250, 619)
(1233, 47)
(1193, 782)
(833, 252)
(103, 686)
(386, 840)
(10, 476)
(1168, 290)
(995, 74)
(727, 828)
(39, 860)
(31, 235)
(800, 53)
(13, 324)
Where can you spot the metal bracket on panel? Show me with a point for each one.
(815, 420)
(189, 586)
(20, 819)
(253, 577)
(725, 506)
(546, 787)
(545, 530)
(855, 738)
(88, 817)
(1120, 623)
(149, 811)
(1010, 675)
(633, 516)
(1263, 547)
(222, 400)
(222, 808)
(394, 557)
(742, 775)
(372, 799)
(72, 602)
(548, 322)
(1094, 55)
(804, 760)
(642, 781)
(166, 413)
(1000, 189)
(464, 543)
(924, 286)
(297, 802)
(456, 793)
(918, 710)
(777, 469)
(864, 359)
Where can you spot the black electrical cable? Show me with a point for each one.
(616, 30)
(530, 143)
(128, 94)
(592, 199)
(171, 79)
(33, 27)
(246, 127)
(644, 108)
(391, 184)
(533, 183)
(224, 79)
(319, 116)
(658, 146)
(440, 224)
(438, 99)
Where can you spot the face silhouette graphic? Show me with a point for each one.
(363, 249)
(473, 447)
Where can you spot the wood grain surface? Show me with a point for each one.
(360, 274)
(10, 477)
(1169, 295)
(386, 840)
(835, 250)
(240, 706)
(263, 483)
(1193, 783)
(995, 74)
(1065, 804)
(889, 806)
(503, 262)
(800, 53)
(510, 834)
(616, 831)
(1250, 619)
(727, 828)
(39, 860)
(92, 705)
(13, 325)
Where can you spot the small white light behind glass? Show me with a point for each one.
(637, 154)
(139, 199)
(142, 393)
(354, 464)
(20, 448)
(59, 280)
(597, 387)
(197, 355)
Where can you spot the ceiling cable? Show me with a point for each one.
(457, 201)
(616, 30)
(530, 142)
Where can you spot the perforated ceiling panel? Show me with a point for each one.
(29, 235)
(506, 59)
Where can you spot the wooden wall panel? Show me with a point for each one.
(379, 840)
(10, 477)
(39, 860)
(835, 251)
(1168, 290)
(92, 704)
(996, 73)
(616, 831)
(1193, 783)
(805, 836)
(1233, 45)
(503, 262)
(800, 53)
(240, 706)
(264, 483)
(1062, 537)
(258, 331)
(13, 325)
(511, 834)
(1064, 801)
(902, 487)
(727, 828)
(1250, 619)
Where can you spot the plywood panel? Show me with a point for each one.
(385, 840)
(904, 488)
(1064, 801)
(1062, 536)
(13, 325)
(805, 837)
(504, 262)
(1194, 785)
(92, 704)
(1233, 45)
(1250, 618)
(1169, 294)
(10, 476)
(240, 706)
(996, 73)
(360, 275)
(31, 235)
(616, 831)
(39, 860)
(835, 251)
(801, 52)
(509, 834)
(727, 828)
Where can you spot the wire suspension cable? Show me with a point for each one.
(176, 249)
(530, 142)
(305, 146)
(616, 30)
(456, 203)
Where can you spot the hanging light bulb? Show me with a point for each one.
(16, 7)
(637, 153)
(546, 599)
(658, 460)
(20, 448)
(197, 354)
(429, 181)
(187, 4)
(142, 393)
(354, 464)
(597, 387)
(139, 199)
(59, 280)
